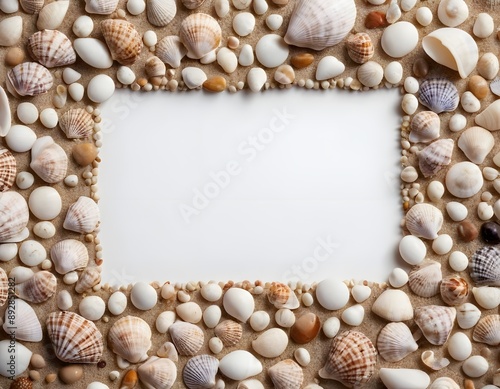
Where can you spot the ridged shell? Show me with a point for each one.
(157, 373)
(286, 374)
(351, 360)
(123, 40)
(454, 290)
(29, 79)
(8, 169)
(360, 47)
(425, 127)
(76, 123)
(229, 332)
(424, 221)
(201, 34)
(435, 157)
(51, 48)
(160, 12)
(490, 117)
(282, 296)
(476, 143)
(83, 216)
(444, 383)
(5, 113)
(171, 50)
(424, 279)
(188, 338)
(52, 15)
(74, 338)
(467, 315)
(130, 338)
(487, 330)
(89, 278)
(23, 320)
(439, 95)
(14, 215)
(31, 6)
(49, 160)
(38, 288)
(200, 371)
(100, 7)
(68, 255)
(395, 342)
(4, 287)
(317, 24)
(485, 266)
(154, 67)
(192, 4)
(435, 322)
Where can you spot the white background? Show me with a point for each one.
(317, 199)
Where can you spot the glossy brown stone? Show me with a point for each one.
(420, 68)
(467, 231)
(71, 374)
(14, 56)
(306, 328)
(129, 380)
(375, 19)
(302, 60)
(215, 84)
(84, 153)
(478, 86)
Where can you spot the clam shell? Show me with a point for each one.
(282, 296)
(439, 95)
(14, 215)
(188, 338)
(51, 48)
(200, 33)
(238, 303)
(76, 123)
(31, 6)
(444, 383)
(155, 67)
(192, 4)
(485, 266)
(130, 338)
(11, 30)
(123, 40)
(286, 374)
(75, 339)
(454, 290)
(395, 342)
(271, 343)
(23, 320)
(476, 143)
(4, 287)
(160, 12)
(464, 180)
(370, 74)
(360, 47)
(69, 255)
(5, 114)
(28, 79)
(83, 216)
(425, 127)
(435, 157)
(157, 373)
(8, 170)
(229, 332)
(393, 305)
(452, 13)
(487, 330)
(171, 50)
(52, 15)
(424, 221)
(490, 117)
(467, 315)
(239, 365)
(49, 160)
(38, 288)
(101, 7)
(200, 371)
(351, 360)
(424, 279)
(316, 24)
(435, 322)
(89, 278)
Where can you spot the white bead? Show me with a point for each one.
(117, 303)
(45, 203)
(49, 117)
(143, 296)
(92, 307)
(83, 26)
(24, 180)
(27, 113)
(398, 278)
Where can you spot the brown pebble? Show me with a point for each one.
(34, 375)
(84, 153)
(467, 231)
(305, 328)
(71, 374)
(215, 84)
(101, 364)
(14, 56)
(302, 60)
(420, 68)
(280, 2)
(478, 86)
(51, 377)
(37, 361)
(21, 383)
(129, 380)
(375, 19)
(469, 384)
(486, 352)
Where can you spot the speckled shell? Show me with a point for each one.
(360, 47)
(351, 360)
(425, 127)
(31, 6)
(8, 170)
(29, 79)
(424, 221)
(424, 279)
(487, 330)
(130, 338)
(83, 216)
(200, 371)
(454, 290)
(4, 287)
(188, 338)
(282, 296)
(154, 67)
(435, 157)
(100, 7)
(435, 322)
(76, 123)
(23, 318)
(123, 40)
(439, 95)
(192, 4)
(476, 143)
(229, 332)
(14, 215)
(286, 374)
(51, 48)
(157, 373)
(316, 24)
(49, 160)
(171, 50)
(160, 12)
(89, 278)
(38, 288)
(74, 338)
(485, 266)
(201, 34)
(68, 255)
(395, 342)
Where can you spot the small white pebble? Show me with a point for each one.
(424, 16)
(46, 264)
(212, 315)
(456, 211)
(49, 118)
(27, 113)
(64, 300)
(143, 296)
(183, 296)
(83, 26)
(164, 320)
(411, 85)
(475, 366)
(302, 356)
(307, 299)
(259, 320)
(70, 278)
(331, 327)
(284, 318)
(150, 38)
(458, 261)
(398, 277)
(76, 91)
(44, 229)
(8, 251)
(24, 180)
(274, 22)
(490, 173)
(117, 303)
(361, 293)
(114, 375)
(92, 308)
(442, 244)
(70, 76)
(168, 291)
(71, 180)
(136, 7)
(485, 211)
(435, 190)
(457, 122)
(412, 249)
(211, 292)
(354, 315)
(215, 345)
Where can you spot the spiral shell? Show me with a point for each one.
(76, 123)
(200, 371)
(160, 12)
(229, 332)
(171, 50)
(485, 266)
(158, 373)
(425, 127)
(435, 322)
(49, 160)
(123, 40)
(435, 157)
(130, 338)
(201, 34)
(395, 342)
(82, 216)
(8, 169)
(487, 330)
(439, 95)
(51, 48)
(424, 279)
(424, 221)
(69, 255)
(360, 47)
(454, 290)
(286, 374)
(187, 338)
(282, 296)
(38, 288)
(29, 79)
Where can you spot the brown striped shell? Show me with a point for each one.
(123, 40)
(229, 332)
(51, 48)
(188, 338)
(435, 157)
(90, 277)
(487, 330)
(49, 160)
(31, 6)
(435, 322)
(8, 169)
(454, 290)
(201, 34)
(130, 338)
(38, 288)
(360, 47)
(76, 123)
(286, 374)
(29, 79)
(282, 296)
(69, 255)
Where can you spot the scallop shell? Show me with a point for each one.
(444, 383)
(485, 266)
(200, 371)
(316, 24)
(435, 322)
(14, 215)
(23, 321)
(31, 6)
(130, 338)
(435, 157)
(464, 179)
(192, 4)
(28, 79)
(439, 95)
(454, 290)
(424, 279)
(286, 374)
(425, 127)
(157, 373)
(77, 123)
(351, 360)
(38, 288)
(395, 342)
(89, 278)
(160, 12)
(171, 50)
(201, 34)
(476, 143)
(188, 338)
(4, 287)
(52, 15)
(49, 160)
(8, 169)
(487, 330)
(452, 13)
(83, 216)
(5, 113)
(123, 40)
(490, 117)
(360, 47)
(51, 48)
(393, 305)
(69, 255)
(229, 332)
(75, 339)
(424, 221)
(282, 296)
(101, 7)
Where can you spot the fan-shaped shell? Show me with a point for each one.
(286, 374)
(23, 320)
(464, 179)
(8, 169)
(476, 143)
(171, 50)
(444, 383)
(160, 12)
(490, 117)
(424, 221)
(100, 7)
(4, 287)
(14, 215)
(90, 277)
(188, 338)
(439, 95)
(49, 160)
(52, 15)
(123, 40)
(424, 279)
(31, 6)
(360, 47)
(29, 79)
(282, 296)
(351, 360)
(229, 332)
(38, 288)
(435, 157)
(68, 255)
(487, 330)
(76, 123)
(201, 34)
(317, 24)
(454, 290)
(51, 48)
(435, 322)
(83, 216)
(192, 4)
(200, 371)
(130, 338)
(395, 342)
(425, 127)
(157, 373)
(74, 338)
(485, 266)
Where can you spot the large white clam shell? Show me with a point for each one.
(467, 315)
(395, 342)
(476, 143)
(11, 30)
(49, 160)
(171, 50)
(404, 378)
(271, 343)
(424, 221)
(464, 179)
(239, 365)
(200, 372)
(157, 373)
(14, 215)
(490, 117)
(201, 34)
(83, 216)
(22, 320)
(69, 255)
(52, 15)
(130, 338)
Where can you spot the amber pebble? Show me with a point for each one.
(469, 384)
(490, 232)
(375, 19)
(70, 374)
(302, 60)
(305, 328)
(129, 380)
(84, 153)
(34, 375)
(467, 231)
(14, 56)
(21, 383)
(478, 86)
(420, 67)
(215, 84)
(51, 377)
(37, 361)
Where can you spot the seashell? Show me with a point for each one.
(393, 13)
(360, 47)
(38, 288)
(286, 374)
(439, 95)
(399, 39)
(157, 373)
(485, 266)
(487, 297)
(77, 123)
(82, 216)
(171, 50)
(435, 322)
(271, 343)
(239, 365)
(487, 330)
(14, 215)
(28, 79)
(8, 170)
(425, 127)
(452, 13)
(483, 26)
(444, 383)
(282, 296)
(49, 160)
(130, 380)
(200, 371)
(476, 143)
(424, 221)
(89, 278)
(453, 48)
(393, 305)
(93, 52)
(467, 315)
(370, 74)
(52, 15)
(316, 24)
(375, 19)
(454, 290)
(200, 33)
(31, 6)
(429, 359)
(11, 30)
(424, 279)
(74, 338)
(351, 360)
(488, 66)
(192, 4)
(251, 384)
(130, 338)
(229, 332)
(436, 156)
(101, 7)
(188, 338)
(5, 114)
(395, 342)
(4, 287)
(23, 319)
(238, 303)
(123, 40)
(489, 118)
(154, 67)
(160, 12)
(459, 346)
(69, 255)
(404, 378)
(51, 48)
(464, 180)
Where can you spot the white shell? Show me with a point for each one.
(143, 296)
(93, 52)
(100, 7)
(239, 303)
(332, 294)
(45, 203)
(244, 23)
(488, 66)
(239, 365)
(200, 371)
(212, 315)
(171, 50)
(452, 13)
(211, 292)
(117, 303)
(459, 346)
(8, 6)
(82, 216)
(393, 13)
(259, 320)
(49, 160)
(475, 366)
(424, 221)
(476, 143)
(469, 102)
(32, 253)
(431, 361)
(23, 321)
(286, 374)
(399, 39)
(130, 338)
(227, 60)
(256, 78)
(15, 215)
(157, 373)
(83, 26)
(393, 305)
(221, 7)
(487, 297)
(370, 74)
(92, 307)
(395, 342)
(8, 251)
(11, 30)
(329, 67)
(489, 118)
(164, 321)
(354, 315)
(20, 138)
(464, 180)
(483, 26)
(271, 343)
(68, 255)
(425, 127)
(100, 88)
(361, 293)
(456, 211)
(435, 322)
(160, 12)
(201, 34)
(188, 338)
(23, 356)
(5, 114)
(21, 273)
(193, 77)
(404, 378)
(189, 311)
(271, 50)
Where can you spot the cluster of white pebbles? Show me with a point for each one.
(435, 325)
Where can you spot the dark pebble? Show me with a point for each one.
(490, 232)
